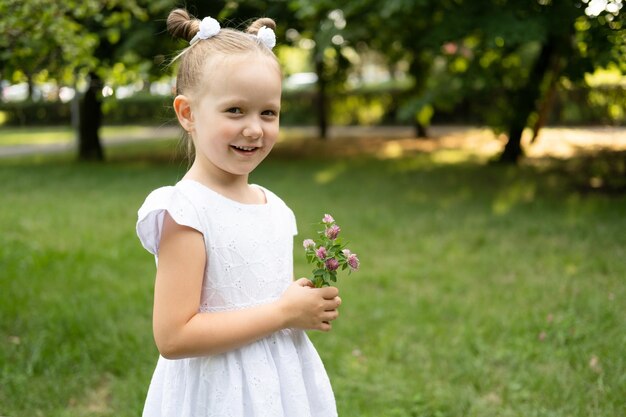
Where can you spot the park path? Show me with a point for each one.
(552, 141)
(169, 132)
(155, 133)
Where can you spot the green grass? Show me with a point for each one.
(484, 290)
(11, 136)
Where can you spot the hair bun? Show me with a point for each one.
(181, 24)
(259, 23)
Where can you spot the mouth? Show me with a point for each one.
(244, 149)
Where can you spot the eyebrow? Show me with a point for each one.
(240, 101)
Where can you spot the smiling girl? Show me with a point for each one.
(228, 318)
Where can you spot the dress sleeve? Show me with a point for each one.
(151, 213)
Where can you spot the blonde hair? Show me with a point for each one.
(227, 42)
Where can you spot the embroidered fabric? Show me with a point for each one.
(249, 251)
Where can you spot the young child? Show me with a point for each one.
(228, 318)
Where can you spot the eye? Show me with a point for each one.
(271, 113)
(234, 110)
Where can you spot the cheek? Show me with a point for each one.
(271, 131)
(227, 129)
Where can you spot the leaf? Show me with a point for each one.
(318, 282)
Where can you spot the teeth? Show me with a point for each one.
(244, 148)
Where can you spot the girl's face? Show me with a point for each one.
(235, 116)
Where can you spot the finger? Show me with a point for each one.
(304, 282)
(329, 292)
(325, 326)
(332, 304)
(331, 315)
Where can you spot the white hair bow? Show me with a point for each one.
(209, 27)
(267, 37)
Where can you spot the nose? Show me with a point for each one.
(253, 129)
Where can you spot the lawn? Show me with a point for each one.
(485, 290)
(65, 135)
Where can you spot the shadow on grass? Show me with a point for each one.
(588, 172)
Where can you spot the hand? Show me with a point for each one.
(309, 308)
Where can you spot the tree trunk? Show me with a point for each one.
(31, 88)
(75, 112)
(420, 130)
(545, 107)
(525, 101)
(90, 118)
(321, 99)
(419, 69)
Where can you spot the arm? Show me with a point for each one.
(181, 331)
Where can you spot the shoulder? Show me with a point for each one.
(270, 196)
(172, 200)
(167, 198)
(284, 212)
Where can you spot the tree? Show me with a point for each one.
(520, 50)
(503, 57)
(90, 120)
(98, 41)
(123, 33)
(43, 36)
(75, 40)
(323, 22)
(402, 31)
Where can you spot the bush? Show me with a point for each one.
(584, 106)
(360, 107)
(138, 109)
(35, 113)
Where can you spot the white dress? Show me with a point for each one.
(249, 251)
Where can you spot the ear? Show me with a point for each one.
(182, 107)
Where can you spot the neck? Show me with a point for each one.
(218, 180)
(235, 187)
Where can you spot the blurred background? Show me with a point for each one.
(473, 152)
(504, 65)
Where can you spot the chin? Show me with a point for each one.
(242, 171)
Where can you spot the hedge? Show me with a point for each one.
(572, 107)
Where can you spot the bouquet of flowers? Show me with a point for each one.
(328, 254)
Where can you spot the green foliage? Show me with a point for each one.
(31, 113)
(136, 109)
(43, 35)
(476, 54)
(463, 51)
(61, 39)
(140, 108)
(573, 106)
